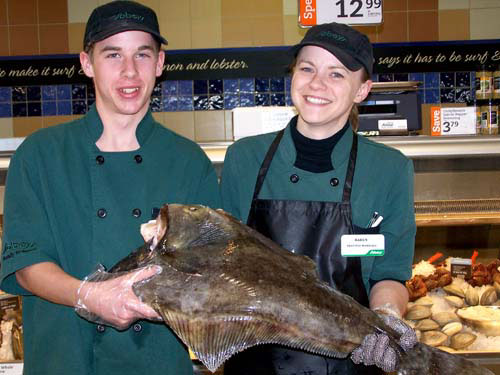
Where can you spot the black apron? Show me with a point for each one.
(312, 228)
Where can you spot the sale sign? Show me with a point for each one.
(351, 12)
(453, 121)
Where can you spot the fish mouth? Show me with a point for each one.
(154, 230)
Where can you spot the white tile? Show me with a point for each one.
(477, 4)
(484, 23)
(228, 123)
(207, 10)
(290, 7)
(2, 192)
(180, 122)
(453, 4)
(79, 11)
(6, 127)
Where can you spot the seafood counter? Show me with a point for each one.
(456, 311)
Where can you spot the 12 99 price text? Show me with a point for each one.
(356, 7)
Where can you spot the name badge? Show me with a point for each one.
(362, 245)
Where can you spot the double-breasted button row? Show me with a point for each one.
(102, 213)
(100, 159)
(294, 178)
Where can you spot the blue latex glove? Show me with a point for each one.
(375, 349)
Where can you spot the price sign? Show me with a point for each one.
(11, 368)
(453, 121)
(352, 12)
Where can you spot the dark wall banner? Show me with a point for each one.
(260, 62)
(457, 56)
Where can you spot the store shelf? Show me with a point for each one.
(448, 147)
(411, 146)
(424, 147)
(457, 219)
(457, 212)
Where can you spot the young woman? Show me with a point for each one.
(315, 181)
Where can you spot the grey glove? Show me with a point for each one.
(375, 349)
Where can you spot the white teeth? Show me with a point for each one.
(316, 100)
(129, 91)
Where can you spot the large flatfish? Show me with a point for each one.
(224, 288)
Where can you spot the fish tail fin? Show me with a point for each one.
(426, 360)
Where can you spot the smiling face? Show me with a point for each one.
(324, 91)
(124, 68)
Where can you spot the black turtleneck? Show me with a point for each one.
(315, 155)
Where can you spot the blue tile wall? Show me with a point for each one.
(217, 94)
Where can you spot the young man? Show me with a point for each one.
(75, 198)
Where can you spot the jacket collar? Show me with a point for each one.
(340, 154)
(95, 126)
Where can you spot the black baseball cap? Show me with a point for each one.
(351, 47)
(118, 16)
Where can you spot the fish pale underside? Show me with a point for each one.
(224, 288)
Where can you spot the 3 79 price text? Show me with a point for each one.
(448, 125)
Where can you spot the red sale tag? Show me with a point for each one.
(307, 15)
(435, 121)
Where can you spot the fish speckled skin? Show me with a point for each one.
(224, 287)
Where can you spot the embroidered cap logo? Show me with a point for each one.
(330, 35)
(128, 16)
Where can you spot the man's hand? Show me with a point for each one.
(113, 301)
(375, 349)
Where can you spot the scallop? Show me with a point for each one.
(433, 338)
(418, 312)
(452, 328)
(424, 301)
(454, 290)
(427, 325)
(444, 317)
(455, 301)
(497, 287)
(462, 340)
(488, 297)
(446, 349)
(472, 297)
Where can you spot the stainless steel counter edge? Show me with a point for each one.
(412, 146)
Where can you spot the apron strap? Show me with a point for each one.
(346, 196)
(266, 163)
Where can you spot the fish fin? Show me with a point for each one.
(209, 233)
(426, 360)
(216, 339)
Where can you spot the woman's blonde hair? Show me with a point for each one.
(354, 115)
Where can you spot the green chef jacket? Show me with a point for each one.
(68, 203)
(383, 183)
